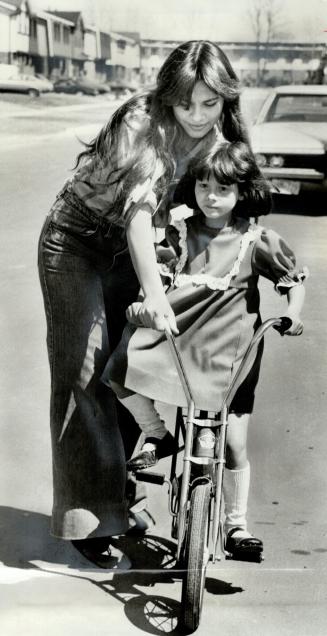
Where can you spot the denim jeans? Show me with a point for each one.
(88, 281)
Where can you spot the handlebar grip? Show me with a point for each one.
(151, 478)
(284, 324)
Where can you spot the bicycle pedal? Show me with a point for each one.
(151, 478)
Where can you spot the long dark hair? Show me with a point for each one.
(159, 132)
(229, 163)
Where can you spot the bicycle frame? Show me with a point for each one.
(217, 463)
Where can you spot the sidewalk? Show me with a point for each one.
(41, 105)
(22, 124)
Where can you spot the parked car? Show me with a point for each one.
(12, 81)
(46, 82)
(80, 85)
(122, 89)
(289, 138)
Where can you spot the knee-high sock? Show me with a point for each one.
(236, 491)
(147, 417)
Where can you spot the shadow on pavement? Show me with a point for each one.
(306, 204)
(25, 542)
(24, 537)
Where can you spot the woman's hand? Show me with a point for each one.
(296, 328)
(155, 313)
(295, 297)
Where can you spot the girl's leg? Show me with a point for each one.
(237, 472)
(88, 457)
(146, 416)
(237, 433)
(121, 288)
(236, 487)
(157, 439)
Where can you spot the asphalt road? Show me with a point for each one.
(46, 587)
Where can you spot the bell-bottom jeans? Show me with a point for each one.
(88, 281)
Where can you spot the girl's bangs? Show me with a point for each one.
(179, 91)
(222, 84)
(224, 174)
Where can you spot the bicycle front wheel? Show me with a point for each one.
(196, 556)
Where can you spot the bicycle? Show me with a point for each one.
(195, 496)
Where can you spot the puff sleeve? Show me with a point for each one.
(273, 258)
(143, 194)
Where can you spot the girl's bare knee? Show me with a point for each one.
(236, 456)
(120, 390)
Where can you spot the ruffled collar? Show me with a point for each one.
(249, 233)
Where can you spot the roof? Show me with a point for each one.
(17, 3)
(72, 16)
(302, 89)
(134, 35)
(119, 36)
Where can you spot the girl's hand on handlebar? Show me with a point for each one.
(153, 313)
(296, 328)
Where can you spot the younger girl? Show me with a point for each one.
(213, 262)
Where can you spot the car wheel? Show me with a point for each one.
(33, 92)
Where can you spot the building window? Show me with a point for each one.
(121, 44)
(33, 28)
(23, 23)
(56, 32)
(66, 34)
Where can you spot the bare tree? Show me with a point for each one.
(266, 18)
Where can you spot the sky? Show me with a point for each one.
(220, 20)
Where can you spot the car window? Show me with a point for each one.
(252, 100)
(299, 108)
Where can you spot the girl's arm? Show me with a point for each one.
(295, 297)
(155, 311)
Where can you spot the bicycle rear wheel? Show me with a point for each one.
(196, 557)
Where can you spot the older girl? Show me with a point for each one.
(96, 247)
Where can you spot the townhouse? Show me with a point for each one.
(61, 44)
(286, 62)
(15, 32)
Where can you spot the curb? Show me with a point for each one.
(26, 111)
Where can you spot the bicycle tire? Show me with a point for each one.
(195, 557)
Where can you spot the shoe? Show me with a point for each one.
(96, 550)
(146, 459)
(99, 552)
(243, 548)
(140, 523)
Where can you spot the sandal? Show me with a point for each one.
(243, 548)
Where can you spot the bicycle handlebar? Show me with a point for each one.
(281, 325)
